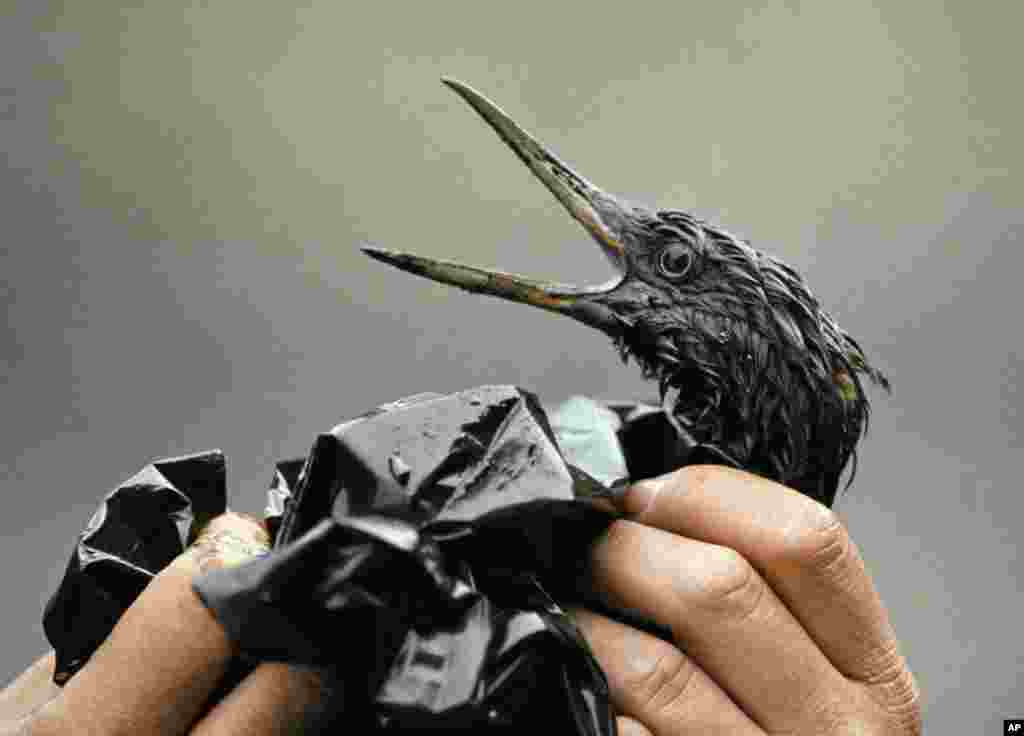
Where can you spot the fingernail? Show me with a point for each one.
(640, 496)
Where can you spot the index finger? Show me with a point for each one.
(799, 546)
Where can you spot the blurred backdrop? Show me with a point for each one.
(183, 187)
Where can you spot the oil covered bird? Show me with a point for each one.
(750, 368)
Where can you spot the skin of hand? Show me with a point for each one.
(776, 625)
(776, 628)
(165, 658)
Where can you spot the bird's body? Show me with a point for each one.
(748, 363)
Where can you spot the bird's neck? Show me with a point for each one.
(750, 408)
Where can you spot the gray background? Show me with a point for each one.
(183, 188)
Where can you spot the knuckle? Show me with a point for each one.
(896, 691)
(881, 665)
(667, 685)
(909, 719)
(864, 719)
(819, 542)
(890, 705)
(733, 589)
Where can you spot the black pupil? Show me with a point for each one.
(675, 260)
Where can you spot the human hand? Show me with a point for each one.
(162, 669)
(781, 627)
(776, 625)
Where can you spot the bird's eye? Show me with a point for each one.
(675, 261)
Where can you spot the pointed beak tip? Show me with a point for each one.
(379, 254)
(453, 83)
(464, 91)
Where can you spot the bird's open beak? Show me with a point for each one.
(598, 212)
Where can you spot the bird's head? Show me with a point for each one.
(747, 362)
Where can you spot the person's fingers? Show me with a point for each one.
(273, 699)
(156, 670)
(29, 691)
(658, 686)
(725, 618)
(799, 546)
